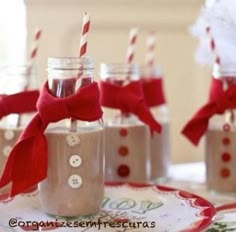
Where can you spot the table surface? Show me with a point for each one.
(191, 178)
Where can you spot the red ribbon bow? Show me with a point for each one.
(153, 91)
(22, 102)
(219, 101)
(128, 99)
(27, 162)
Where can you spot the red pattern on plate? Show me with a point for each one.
(208, 211)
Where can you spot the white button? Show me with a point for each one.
(75, 181)
(7, 150)
(75, 161)
(9, 134)
(72, 140)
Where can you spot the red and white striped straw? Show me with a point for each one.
(131, 45)
(150, 45)
(32, 57)
(82, 53)
(213, 46)
(84, 35)
(35, 46)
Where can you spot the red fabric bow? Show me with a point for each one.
(153, 91)
(23, 102)
(27, 162)
(219, 101)
(129, 99)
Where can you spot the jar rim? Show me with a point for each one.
(70, 63)
(119, 71)
(225, 70)
(118, 68)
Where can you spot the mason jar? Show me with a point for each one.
(75, 178)
(127, 147)
(220, 146)
(159, 143)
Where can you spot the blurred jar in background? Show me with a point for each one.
(220, 146)
(127, 138)
(159, 143)
(14, 79)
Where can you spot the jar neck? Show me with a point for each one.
(17, 78)
(119, 73)
(150, 72)
(226, 73)
(66, 75)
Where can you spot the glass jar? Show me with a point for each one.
(75, 178)
(13, 79)
(127, 147)
(220, 155)
(160, 143)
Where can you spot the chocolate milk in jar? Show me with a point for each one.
(127, 148)
(75, 178)
(220, 144)
(159, 143)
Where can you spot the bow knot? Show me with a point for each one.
(128, 99)
(127, 105)
(223, 102)
(52, 110)
(219, 102)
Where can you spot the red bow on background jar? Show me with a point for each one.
(127, 123)
(216, 119)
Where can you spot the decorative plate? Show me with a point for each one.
(125, 208)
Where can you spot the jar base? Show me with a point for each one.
(221, 193)
(160, 180)
(72, 217)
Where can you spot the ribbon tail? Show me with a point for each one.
(6, 175)
(145, 116)
(197, 126)
(195, 129)
(26, 165)
(18, 103)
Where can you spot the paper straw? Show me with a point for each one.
(33, 52)
(133, 34)
(84, 35)
(35, 46)
(150, 45)
(31, 61)
(82, 53)
(229, 115)
(213, 46)
(131, 45)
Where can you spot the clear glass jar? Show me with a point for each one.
(160, 143)
(220, 155)
(13, 79)
(127, 147)
(75, 176)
